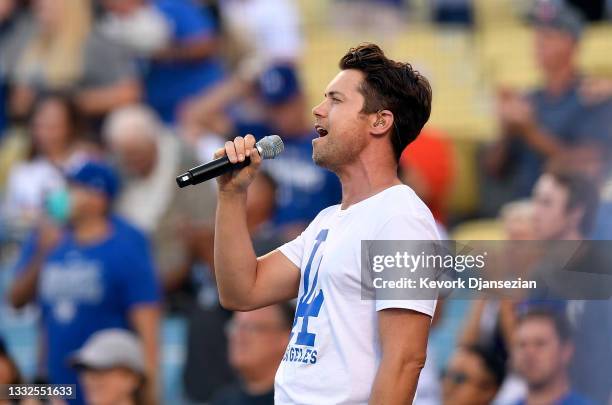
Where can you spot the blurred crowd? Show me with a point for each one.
(104, 102)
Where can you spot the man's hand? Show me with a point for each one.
(25, 284)
(237, 181)
(596, 90)
(517, 118)
(48, 237)
(515, 112)
(246, 282)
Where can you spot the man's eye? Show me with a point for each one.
(336, 100)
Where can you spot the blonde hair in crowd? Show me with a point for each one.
(59, 55)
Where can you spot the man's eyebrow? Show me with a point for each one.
(334, 93)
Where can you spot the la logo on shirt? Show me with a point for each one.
(302, 340)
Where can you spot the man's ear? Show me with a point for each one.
(382, 122)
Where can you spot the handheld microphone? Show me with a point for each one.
(268, 147)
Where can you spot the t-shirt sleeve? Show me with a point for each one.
(409, 227)
(140, 284)
(294, 250)
(427, 307)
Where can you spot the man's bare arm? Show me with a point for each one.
(25, 284)
(23, 289)
(145, 321)
(403, 338)
(543, 142)
(100, 100)
(246, 282)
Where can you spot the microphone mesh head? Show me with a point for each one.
(270, 146)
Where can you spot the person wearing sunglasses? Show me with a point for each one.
(256, 344)
(473, 376)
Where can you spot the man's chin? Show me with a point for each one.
(319, 159)
(316, 151)
(320, 155)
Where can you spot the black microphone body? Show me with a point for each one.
(268, 148)
(210, 170)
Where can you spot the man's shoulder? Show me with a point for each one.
(401, 214)
(125, 231)
(324, 214)
(401, 200)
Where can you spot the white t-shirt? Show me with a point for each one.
(28, 184)
(334, 351)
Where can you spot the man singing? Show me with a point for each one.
(342, 349)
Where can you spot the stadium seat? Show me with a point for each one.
(478, 229)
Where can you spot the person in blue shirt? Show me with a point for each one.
(541, 353)
(303, 188)
(94, 273)
(549, 121)
(189, 64)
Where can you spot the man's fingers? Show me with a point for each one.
(255, 157)
(230, 151)
(219, 153)
(249, 144)
(240, 150)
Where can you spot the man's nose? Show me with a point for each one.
(318, 110)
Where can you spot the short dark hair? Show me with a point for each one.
(493, 362)
(393, 86)
(582, 193)
(556, 317)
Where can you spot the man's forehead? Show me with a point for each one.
(345, 82)
(538, 326)
(548, 182)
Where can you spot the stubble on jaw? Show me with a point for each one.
(333, 156)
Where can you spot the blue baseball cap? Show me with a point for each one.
(557, 15)
(95, 175)
(278, 84)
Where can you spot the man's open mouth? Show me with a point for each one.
(320, 130)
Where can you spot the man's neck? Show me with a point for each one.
(559, 81)
(58, 156)
(259, 382)
(91, 230)
(365, 178)
(549, 394)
